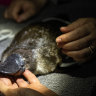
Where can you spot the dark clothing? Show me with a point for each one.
(74, 9)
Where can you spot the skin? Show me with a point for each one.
(28, 7)
(77, 38)
(20, 87)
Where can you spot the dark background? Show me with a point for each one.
(71, 81)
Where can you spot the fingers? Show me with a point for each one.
(6, 81)
(27, 8)
(25, 15)
(30, 77)
(6, 90)
(74, 25)
(77, 38)
(21, 82)
(78, 44)
(13, 11)
(7, 14)
(73, 35)
(3, 87)
(14, 86)
(80, 55)
(14, 14)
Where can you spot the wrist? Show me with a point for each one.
(44, 90)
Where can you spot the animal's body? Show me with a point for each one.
(36, 44)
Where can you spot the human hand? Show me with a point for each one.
(9, 88)
(27, 8)
(24, 88)
(34, 84)
(6, 84)
(8, 81)
(79, 39)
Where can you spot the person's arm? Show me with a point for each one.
(22, 92)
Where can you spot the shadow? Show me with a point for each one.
(93, 92)
(84, 70)
(1, 94)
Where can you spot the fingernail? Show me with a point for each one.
(59, 40)
(63, 28)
